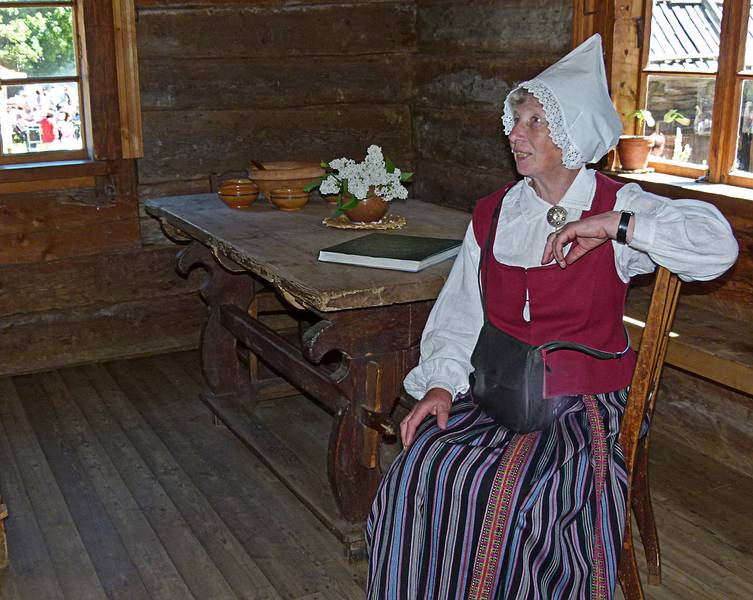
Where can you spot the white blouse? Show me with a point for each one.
(689, 237)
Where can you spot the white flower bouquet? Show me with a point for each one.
(353, 182)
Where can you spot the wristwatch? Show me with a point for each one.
(622, 228)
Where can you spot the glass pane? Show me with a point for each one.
(685, 35)
(748, 66)
(37, 42)
(40, 118)
(682, 108)
(745, 130)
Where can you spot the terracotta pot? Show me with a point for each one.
(633, 151)
(370, 210)
(331, 198)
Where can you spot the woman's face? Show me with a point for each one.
(535, 154)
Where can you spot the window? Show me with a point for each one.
(75, 60)
(42, 115)
(690, 62)
(697, 69)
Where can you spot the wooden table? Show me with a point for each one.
(372, 317)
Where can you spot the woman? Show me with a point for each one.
(471, 509)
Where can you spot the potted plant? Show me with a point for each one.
(633, 150)
(363, 189)
(671, 116)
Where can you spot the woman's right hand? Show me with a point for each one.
(437, 402)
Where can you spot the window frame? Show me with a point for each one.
(626, 28)
(79, 79)
(727, 93)
(106, 41)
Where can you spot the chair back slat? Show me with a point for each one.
(649, 363)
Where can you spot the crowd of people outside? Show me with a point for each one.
(41, 118)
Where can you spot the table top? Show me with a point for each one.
(282, 248)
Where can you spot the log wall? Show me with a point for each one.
(229, 81)
(470, 54)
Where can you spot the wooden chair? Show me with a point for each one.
(642, 397)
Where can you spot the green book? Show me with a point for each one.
(392, 251)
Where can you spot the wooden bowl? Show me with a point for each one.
(288, 174)
(288, 198)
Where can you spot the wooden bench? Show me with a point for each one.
(713, 346)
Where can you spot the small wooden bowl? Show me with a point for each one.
(289, 199)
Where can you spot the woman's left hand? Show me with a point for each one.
(586, 234)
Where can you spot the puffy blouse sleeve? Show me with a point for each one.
(452, 328)
(689, 237)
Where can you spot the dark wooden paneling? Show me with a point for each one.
(81, 240)
(58, 222)
(471, 80)
(192, 144)
(22, 213)
(46, 340)
(238, 83)
(455, 186)
(471, 138)
(309, 30)
(518, 27)
(712, 419)
(470, 55)
(92, 281)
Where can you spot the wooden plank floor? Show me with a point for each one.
(119, 486)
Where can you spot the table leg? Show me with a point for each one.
(379, 345)
(219, 359)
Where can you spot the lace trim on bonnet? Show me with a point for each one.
(571, 156)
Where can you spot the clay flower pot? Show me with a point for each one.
(633, 151)
(369, 210)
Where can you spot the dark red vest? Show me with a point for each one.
(582, 303)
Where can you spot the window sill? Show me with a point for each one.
(728, 198)
(21, 172)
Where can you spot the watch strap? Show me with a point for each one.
(622, 228)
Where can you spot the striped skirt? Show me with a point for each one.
(477, 511)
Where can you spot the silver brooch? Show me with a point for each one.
(556, 216)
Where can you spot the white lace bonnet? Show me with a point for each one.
(582, 120)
